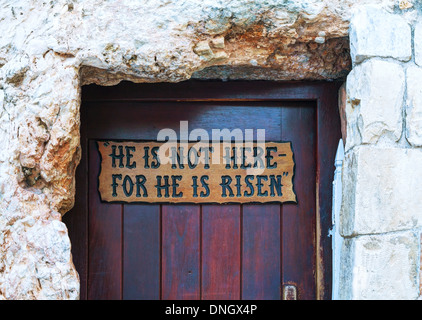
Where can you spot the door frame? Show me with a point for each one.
(324, 94)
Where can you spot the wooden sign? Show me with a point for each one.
(176, 172)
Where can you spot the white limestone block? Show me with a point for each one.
(417, 40)
(414, 106)
(377, 33)
(375, 94)
(381, 190)
(381, 267)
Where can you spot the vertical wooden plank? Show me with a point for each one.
(221, 252)
(329, 134)
(141, 252)
(105, 254)
(180, 252)
(299, 220)
(261, 252)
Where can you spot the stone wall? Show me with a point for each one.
(49, 49)
(381, 215)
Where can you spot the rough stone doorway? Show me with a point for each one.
(123, 251)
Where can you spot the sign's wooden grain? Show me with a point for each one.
(177, 172)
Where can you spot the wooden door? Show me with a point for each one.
(207, 251)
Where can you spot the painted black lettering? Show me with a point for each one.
(259, 186)
(258, 154)
(164, 187)
(194, 186)
(234, 158)
(192, 151)
(177, 158)
(127, 181)
(129, 156)
(249, 184)
(244, 158)
(146, 157)
(227, 157)
(156, 163)
(225, 185)
(238, 186)
(275, 185)
(205, 186)
(268, 157)
(175, 179)
(115, 156)
(140, 180)
(114, 184)
(230, 158)
(207, 151)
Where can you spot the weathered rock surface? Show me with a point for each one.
(383, 193)
(418, 43)
(376, 33)
(380, 267)
(375, 93)
(414, 106)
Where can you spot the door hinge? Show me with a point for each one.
(289, 292)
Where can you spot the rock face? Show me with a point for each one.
(389, 254)
(387, 197)
(371, 26)
(375, 92)
(381, 215)
(49, 49)
(414, 106)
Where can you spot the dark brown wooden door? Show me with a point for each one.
(208, 251)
